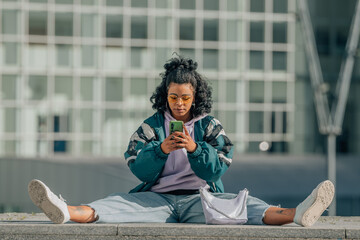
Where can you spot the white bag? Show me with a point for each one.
(224, 211)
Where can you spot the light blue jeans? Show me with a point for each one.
(165, 208)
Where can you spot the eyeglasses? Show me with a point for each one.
(184, 99)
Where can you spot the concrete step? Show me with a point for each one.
(37, 226)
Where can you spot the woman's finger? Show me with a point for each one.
(179, 146)
(186, 131)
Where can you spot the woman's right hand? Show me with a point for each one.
(171, 143)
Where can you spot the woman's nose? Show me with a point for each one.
(179, 101)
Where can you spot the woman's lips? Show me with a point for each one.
(180, 110)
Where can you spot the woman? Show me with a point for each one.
(174, 166)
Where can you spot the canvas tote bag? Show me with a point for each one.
(224, 211)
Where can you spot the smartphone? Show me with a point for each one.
(175, 126)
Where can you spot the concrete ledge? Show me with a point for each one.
(37, 226)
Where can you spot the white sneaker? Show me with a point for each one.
(309, 211)
(53, 206)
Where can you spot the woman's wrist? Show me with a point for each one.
(193, 149)
(161, 147)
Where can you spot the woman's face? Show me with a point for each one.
(180, 99)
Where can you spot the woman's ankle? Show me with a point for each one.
(82, 214)
(279, 216)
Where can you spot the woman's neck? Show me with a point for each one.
(185, 118)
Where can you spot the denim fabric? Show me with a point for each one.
(165, 208)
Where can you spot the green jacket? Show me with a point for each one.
(209, 162)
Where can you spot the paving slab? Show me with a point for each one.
(37, 226)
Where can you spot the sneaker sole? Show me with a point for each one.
(38, 194)
(324, 197)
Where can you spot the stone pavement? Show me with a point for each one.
(37, 226)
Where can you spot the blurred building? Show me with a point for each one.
(76, 75)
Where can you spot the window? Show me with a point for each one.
(8, 87)
(89, 56)
(211, 30)
(138, 87)
(187, 29)
(234, 30)
(63, 89)
(113, 58)
(88, 25)
(139, 58)
(86, 120)
(211, 5)
(256, 60)
(256, 92)
(37, 23)
(114, 3)
(279, 61)
(187, 4)
(187, 52)
(9, 120)
(256, 122)
(40, 53)
(113, 89)
(161, 56)
(163, 4)
(230, 121)
(88, 2)
(233, 59)
(37, 88)
(211, 59)
(280, 32)
(138, 27)
(9, 21)
(87, 89)
(61, 125)
(114, 26)
(215, 86)
(234, 5)
(257, 31)
(63, 24)
(257, 6)
(139, 3)
(11, 52)
(231, 91)
(162, 28)
(64, 1)
(279, 92)
(280, 6)
(64, 55)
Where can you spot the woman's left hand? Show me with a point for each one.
(185, 140)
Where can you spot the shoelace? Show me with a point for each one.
(61, 198)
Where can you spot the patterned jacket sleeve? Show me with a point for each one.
(213, 155)
(144, 155)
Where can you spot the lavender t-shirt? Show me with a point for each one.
(177, 173)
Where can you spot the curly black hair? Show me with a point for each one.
(182, 70)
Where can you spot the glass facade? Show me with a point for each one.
(76, 76)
